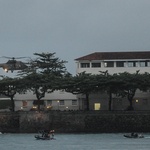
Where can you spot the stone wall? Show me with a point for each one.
(9, 122)
(75, 121)
(57, 120)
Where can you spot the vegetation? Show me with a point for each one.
(81, 84)
(5, 104)
(47, 73)
(9, 87)
(123, 85)
(43, 74)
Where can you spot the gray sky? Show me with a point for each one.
(73, 28)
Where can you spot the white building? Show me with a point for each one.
(58, 100)
(116, 62)
(113, 62)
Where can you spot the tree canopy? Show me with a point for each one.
(47, 73)
(43, 74)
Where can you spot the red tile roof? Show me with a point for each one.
(116, 55)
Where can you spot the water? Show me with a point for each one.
(74, 142)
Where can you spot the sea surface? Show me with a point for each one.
(74, 142)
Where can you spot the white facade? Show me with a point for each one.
(130, 66)
(58, 100)
(116, 62)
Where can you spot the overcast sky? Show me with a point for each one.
(73, 28)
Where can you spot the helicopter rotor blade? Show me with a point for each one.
(14, 57)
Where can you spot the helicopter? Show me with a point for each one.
(12, 64)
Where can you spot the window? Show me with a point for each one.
(74, 102)
(96, 65)
(144, 64)
(24, 103)
(97, 106)
(148, 64)
(120, 64)
(109, 64)
(132, 64)
(85, 65)
(61, 102)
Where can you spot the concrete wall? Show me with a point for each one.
(76, 121)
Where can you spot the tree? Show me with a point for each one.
(108, 83)
(130, 83)
(123, 84)
(113, 86)
(43, 74)
(82, 83)
(9, 87)
(144, 83)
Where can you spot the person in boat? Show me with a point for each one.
(52, 133)
(134, 134)
(45, 133)
(49, 134)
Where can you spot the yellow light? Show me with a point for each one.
(34, 107)
(6, 70)
(136, 100)
(48, 106)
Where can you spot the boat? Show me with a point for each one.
(133, 135)
(45, 135)
(40, 137)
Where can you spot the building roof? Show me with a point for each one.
(116, 55)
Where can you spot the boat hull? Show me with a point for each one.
(135, 137)
(41, 137)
